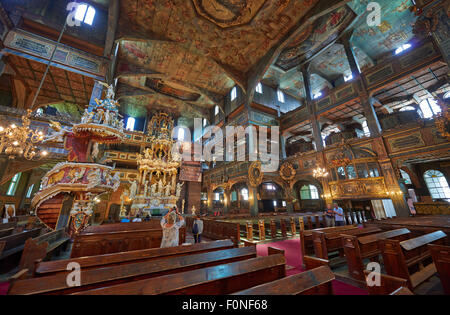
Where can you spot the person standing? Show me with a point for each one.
(197, 229)
(329, 216)
(170, 224)
(338, 215)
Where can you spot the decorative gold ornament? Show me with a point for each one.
(287, 172)
(320, 172)
(255, 175)
(442, 122)
(21, 141)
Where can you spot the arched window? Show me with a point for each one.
(85, 13)
(308, 192)
(244, 193)
(407, 108)
(437, 184)
(13, 185)
(130, 123)
(429, 108)
(406, 177)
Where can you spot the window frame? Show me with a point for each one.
(13, 184)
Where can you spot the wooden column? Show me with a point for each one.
(273, 229)
(283, 227)
(293, 227)
(249, 226)
(317, 135)
(262, 230)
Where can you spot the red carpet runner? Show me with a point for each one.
(293, 258)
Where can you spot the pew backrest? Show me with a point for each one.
(216, 280)
(99, 277)
(317, 281)
(6, 232)
(16, 242)
(90, 262)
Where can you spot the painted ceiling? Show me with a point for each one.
(315, 37)
(200, 49)
(395, 28)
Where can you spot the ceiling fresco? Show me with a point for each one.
(291, 82)
(315, 37)
(395, 28)
(333, 62)
(193, 52)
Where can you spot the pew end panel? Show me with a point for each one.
(388, 284)
(275, 251)
(441, 259)
(313, 262)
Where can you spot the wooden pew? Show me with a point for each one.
(325, 242)
(106, 276)
(2, 246)
(441, 259)
(411, 259)
(388, 284)
(306, 240)
(217, 280)
(218, 230)
(311, 262)
(317, 281)
(92, 244)
(5, 226)
(6, 232)
(14, 245)
(118, 227)
(42, 247)
(356, 249)
(91, 262)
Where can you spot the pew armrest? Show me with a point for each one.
(314, 262)
(402, 291)
(274, 251)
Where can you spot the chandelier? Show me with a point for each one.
(20, 141)
(320, 172)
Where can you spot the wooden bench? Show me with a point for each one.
(4, 226)
(91, 262)
(306, 240)
(92, 244)
(106, 276)
(356, 249)
(388, 284)
(217, 230)
(6, 232)
(217, 280)
(13, 247)
(441, 259)
(411, 259)
(42, 247)
(326, 242)
(317, 281)
(126, 226)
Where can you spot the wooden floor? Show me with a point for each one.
(424, 222)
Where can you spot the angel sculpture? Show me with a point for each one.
(95, 151)
(154, 189)
(94, 177)
(133, 189)
(58, 134)
(179, 186)
(168, 188)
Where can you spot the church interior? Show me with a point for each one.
(224, 147)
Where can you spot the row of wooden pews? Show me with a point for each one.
(214, 268)
(120, 237)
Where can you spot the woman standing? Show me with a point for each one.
(170, 224)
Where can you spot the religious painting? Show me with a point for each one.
(191, 172)
(10, 210)
(314, 37)
(163, 87)
(227, 13)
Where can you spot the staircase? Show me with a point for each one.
(49, 210)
